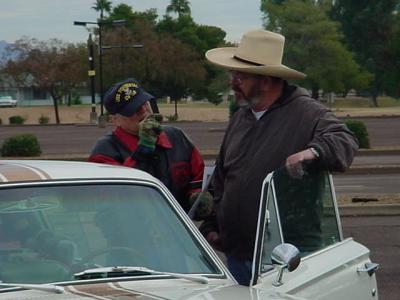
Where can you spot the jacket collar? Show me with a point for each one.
(131, 140)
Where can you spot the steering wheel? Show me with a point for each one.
(138, 258)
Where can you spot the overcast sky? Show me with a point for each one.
(45, 19)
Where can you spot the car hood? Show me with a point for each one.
(151, 289)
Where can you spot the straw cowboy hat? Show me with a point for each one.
(259, 52)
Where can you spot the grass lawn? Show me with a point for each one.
(196, 111)
(354, 102)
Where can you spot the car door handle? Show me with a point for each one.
(370, 268)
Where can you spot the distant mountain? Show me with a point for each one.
(3, 46)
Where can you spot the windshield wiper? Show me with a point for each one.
(40, 287)
(132, 271)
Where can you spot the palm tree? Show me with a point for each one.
(101, 6)
(181, 7)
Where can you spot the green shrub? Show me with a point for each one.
(1, 121)
(360, 131)
(21, 145)
(216, 100)
(172, 118)
(44, 120)
(75, 98)
(16, 120)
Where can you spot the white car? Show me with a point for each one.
(8, 101)
(75, 230)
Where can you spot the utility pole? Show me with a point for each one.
(92, 74)
(101, 69)
(102, 120)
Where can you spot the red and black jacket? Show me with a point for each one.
(175, 161)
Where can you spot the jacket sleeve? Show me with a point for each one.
(197, 170)
(211, 224)
(335, 143)
(106, 152)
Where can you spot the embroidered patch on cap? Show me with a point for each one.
(126, 92)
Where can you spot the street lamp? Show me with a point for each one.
(100, 24)
(122, 46)
(92, 74)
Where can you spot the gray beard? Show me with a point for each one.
(251, 102)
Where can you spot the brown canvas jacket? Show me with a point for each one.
(251, 149)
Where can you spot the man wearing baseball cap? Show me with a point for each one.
(278, 125)
(140, 141)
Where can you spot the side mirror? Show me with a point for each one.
(287, 257)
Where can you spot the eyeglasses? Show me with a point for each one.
(239, 77)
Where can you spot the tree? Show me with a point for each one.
(165, 65)
(171, 62)
(392, 73)
(369, 29)
(314, 45)
(126, 12)
(200, 38)
(180, 7)
(218, 87)
(52, 66)
(102, 6)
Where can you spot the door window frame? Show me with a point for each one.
(268, 193)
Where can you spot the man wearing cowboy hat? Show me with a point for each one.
(277, 125)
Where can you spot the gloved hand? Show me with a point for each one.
(149, 130)
(205, 205)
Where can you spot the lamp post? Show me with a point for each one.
(92, 74)
(100, 25)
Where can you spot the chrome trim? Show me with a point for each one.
(336, 207)
(278, 216)
(259, 241)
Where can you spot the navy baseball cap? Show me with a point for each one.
(126, 97)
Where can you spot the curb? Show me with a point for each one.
(211, 155)
(372, 169)
(348, 210)
(392, 150)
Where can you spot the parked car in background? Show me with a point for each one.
(8, 101)
(76, 230)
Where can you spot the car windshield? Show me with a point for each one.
(48, 233)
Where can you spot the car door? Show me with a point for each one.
(304, 213)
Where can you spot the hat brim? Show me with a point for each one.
(224, 57)
(133, 106)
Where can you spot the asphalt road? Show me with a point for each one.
(79, 139)
(366, 184)
(381, 235)
(383, 132)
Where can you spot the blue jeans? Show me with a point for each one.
(240, 269)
